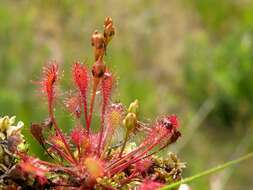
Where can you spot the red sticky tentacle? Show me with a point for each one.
(48, 82)
(73, 104)
(107, 83)
(81, 79)
(164, 131)
(50, 77)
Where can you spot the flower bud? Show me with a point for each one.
(98, 69)
(134, 107)
(109, 30)
(130, 121)
(97, 41)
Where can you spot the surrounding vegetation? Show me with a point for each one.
(192, 58)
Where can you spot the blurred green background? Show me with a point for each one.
(193, 58)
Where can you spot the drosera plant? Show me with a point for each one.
(85, 159)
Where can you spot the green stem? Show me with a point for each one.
(124, 143)
(107, 144)
(207, 172)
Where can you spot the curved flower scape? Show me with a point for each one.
(85, 159)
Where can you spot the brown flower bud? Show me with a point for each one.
(97, 41)
(108, 20)
(98, 69)
(109, 29)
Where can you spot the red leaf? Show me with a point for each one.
(143, 165)
(36, 130)
(50, 76)
(31, 166)
(78, 135)
(107, 84)
(73, 104)
(81, 78)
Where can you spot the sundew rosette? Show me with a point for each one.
(88, 158)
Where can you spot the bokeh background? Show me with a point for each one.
(193, 58)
